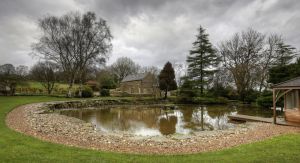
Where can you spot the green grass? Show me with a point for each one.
(16, 147)
(34, 84)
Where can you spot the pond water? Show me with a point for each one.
(155, 120)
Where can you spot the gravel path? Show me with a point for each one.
(74, 132)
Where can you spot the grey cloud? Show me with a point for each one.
(151, 32)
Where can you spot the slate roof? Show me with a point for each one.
(134, 77)
(295, 82)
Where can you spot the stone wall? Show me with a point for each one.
(144, 86)
(131, 87)
(51, 106)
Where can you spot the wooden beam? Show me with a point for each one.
(285, 92)
(286, 88)
(274, 106)
(276, 95)
(284, 105)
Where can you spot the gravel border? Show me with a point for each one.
(30, 120)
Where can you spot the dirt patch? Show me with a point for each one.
(61, 129)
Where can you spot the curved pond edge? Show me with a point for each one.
(33, 120)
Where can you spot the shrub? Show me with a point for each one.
(125, 94)
(108, 83)
(251, 96)
(210, 100)
(265, 101)
(184, 99)
(86, 92)
(104, 92)
(187, 92)
(219, 91)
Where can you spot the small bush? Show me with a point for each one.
(210, 100)
(184, 99)
(251, 96)
(265, 101)
(186, 92)
(108, 83)
(86, 92)
(104, 92)
(125, 94)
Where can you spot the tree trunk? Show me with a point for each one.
(48, 88)
(201, 75)
(80, 89)
(70, 88)
(49, 91)
(166, 94)
(202, 122)
(261, 84)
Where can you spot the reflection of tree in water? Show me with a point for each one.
(131, 118)
(167, 125)
(111, 120)
(255, 111)
(200, 120)
(80, 114)
(123, 118)
(187, 114)
(193, 118)
(220, 115)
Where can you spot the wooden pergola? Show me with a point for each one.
(290, 90)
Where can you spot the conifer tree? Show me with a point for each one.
(167, 79)
(285, 54)
(201, 61)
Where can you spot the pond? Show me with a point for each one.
(145, 120)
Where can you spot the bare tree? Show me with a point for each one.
(22, 70)
(241, 55)
(179, 71)
(7, 69)
(73, 41)
(46, 74)
(123, 67)
(222, 78)
(268, 57)
(9, 79)
(151, 69)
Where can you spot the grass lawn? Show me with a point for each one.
(16, 147)
(34, 84)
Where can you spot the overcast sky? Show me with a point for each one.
(151, 32)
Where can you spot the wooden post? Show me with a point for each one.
(284, 107)
(274, 106)
(202, 123)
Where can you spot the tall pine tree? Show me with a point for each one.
(285, 54)
(282, 69)
(201, 61)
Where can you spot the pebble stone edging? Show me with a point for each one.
(61, 129)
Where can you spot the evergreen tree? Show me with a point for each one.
(201, 60)
(167, 79)
(279, 74)
(282, 73)
(285, 54)
(283, 69)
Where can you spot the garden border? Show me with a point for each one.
(27, 118)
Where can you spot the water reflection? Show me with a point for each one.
(153, 120)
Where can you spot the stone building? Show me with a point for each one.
(143, 84)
